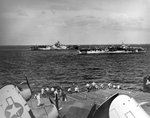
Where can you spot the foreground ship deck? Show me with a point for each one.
(86, 98)
(97, 103)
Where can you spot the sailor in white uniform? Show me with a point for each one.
(94, 85)
(88, 87)
(69, 90)
(110, 85)
(52, 89)
(38, 97)
(76, 89)
(102, 86)
(47, 89)
(56, 92)
(118, 87)
(147, 82)
(42, 91)
(114, 87)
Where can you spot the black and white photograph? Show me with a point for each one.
(74, 58)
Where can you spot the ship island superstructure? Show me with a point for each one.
(56, 46)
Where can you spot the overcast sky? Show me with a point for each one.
(32, 22)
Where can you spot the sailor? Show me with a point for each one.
(88, 87)
(118, 87)
(38, 97)
(102, 86)
(35, 96)
(60, 92)
(76, 89)
(47, 89)
(69, 90)
(114, 87)
(147, 82)
(42, 91)
(56, 92)
(52, 89)
(64, 96)
(94, 85)
(56, 99)
(109, 85)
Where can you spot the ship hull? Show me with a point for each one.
(109, 52)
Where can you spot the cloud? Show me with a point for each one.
(22, 12)
(112, 21)
(86, 21)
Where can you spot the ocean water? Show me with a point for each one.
(50, 68)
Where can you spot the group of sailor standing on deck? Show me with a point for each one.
(62, 94)
(53, 91)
